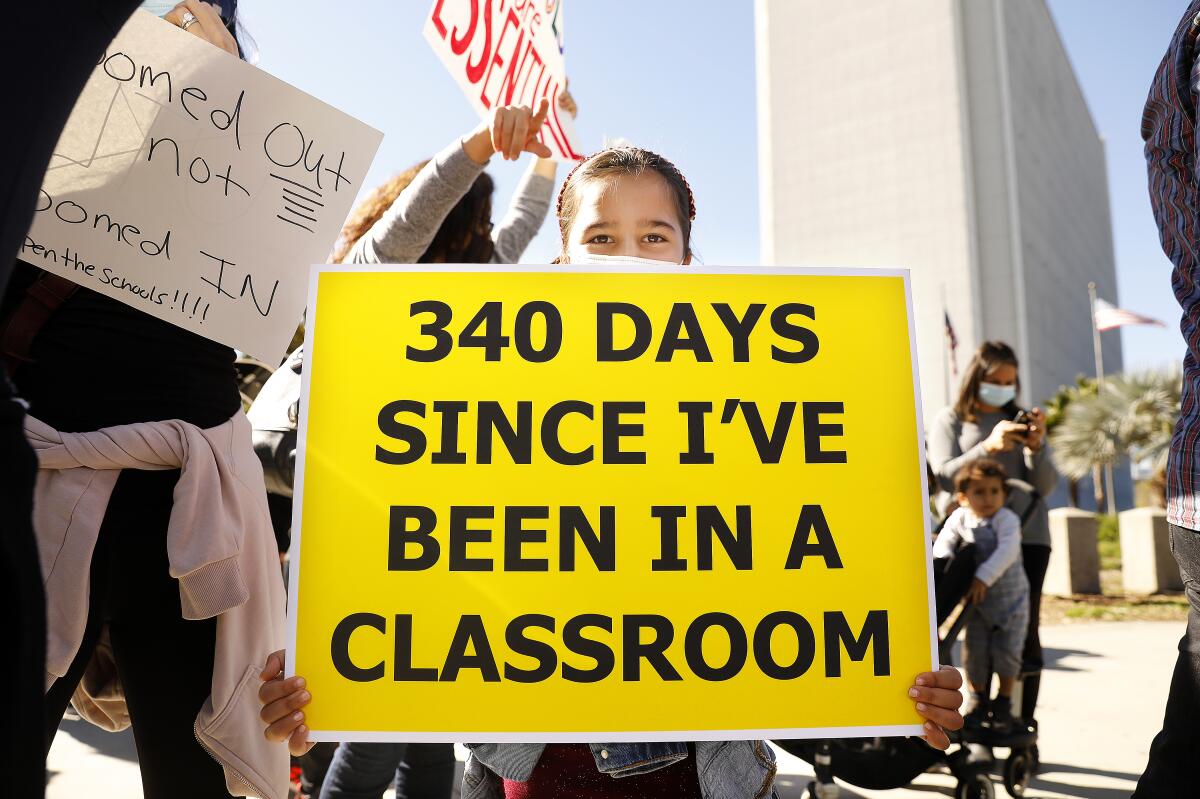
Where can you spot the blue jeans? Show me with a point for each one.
(1175, 752)
(366, 770)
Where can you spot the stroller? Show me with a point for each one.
(882, 763)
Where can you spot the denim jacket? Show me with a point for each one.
(727, 769)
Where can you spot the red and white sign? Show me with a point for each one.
(507, 52)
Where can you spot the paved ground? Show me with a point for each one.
(1102, 702)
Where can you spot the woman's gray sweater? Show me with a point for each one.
(953, 443)
(406, 229)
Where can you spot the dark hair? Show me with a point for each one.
(990, 355)
(464, 235)
(245, 42)
(631, 161)
(982, 469)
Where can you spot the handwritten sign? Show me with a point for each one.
(507, 52)
(560, 504)
(197, 188)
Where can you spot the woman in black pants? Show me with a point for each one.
(985, 422)
(81, 374)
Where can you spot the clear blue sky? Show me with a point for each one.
(666, 77)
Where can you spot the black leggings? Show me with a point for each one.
(164, 661)
(1036, 558)
(22, 668)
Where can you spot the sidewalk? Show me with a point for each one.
(1102, 701)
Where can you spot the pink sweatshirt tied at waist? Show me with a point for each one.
(220, 546)
(211, 510)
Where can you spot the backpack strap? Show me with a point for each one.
(42, 298)
(1034, 498)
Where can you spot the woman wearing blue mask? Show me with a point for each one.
(986, 422)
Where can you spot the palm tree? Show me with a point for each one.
(1131, 415)
(1056, 410)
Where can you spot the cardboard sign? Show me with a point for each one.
(557, 504)
(506, 52)
(197, 188)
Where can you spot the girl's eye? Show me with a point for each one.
(654, 238)
(601, 238)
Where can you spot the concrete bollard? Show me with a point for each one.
(1147, 566)
(1075, 555)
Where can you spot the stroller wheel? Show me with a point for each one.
(1018, 771)
(818, 790)
(977, 786)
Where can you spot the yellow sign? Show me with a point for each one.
(565, 504)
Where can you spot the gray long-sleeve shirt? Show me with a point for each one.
(953, 443)
(406, 229)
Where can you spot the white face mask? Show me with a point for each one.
(996, 395)
(612, 260)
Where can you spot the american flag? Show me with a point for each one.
(952, 343)
(1109, 316)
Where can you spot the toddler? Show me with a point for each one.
(1000, 591)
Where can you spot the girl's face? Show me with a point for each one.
(626, 215)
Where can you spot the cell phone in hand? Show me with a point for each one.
(1024, 418)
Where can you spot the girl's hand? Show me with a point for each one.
(1036, 437)
(512, 130)
(208, 25)
(977, 592)
(282, 700)
(938, 700)
(1004, 436)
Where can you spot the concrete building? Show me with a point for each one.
(952, 138)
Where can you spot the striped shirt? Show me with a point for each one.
(1169, 129)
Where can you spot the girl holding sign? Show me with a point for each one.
(623, 204)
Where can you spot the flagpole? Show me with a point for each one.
(1099, 352)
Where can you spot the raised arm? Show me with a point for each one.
(531, 202)
(406, 229)
(404, 232)
(526, 213)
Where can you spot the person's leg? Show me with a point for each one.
(23, 675)
(979, 671)
(362, 770)
(1036, 558)
(314, 765)
(1006, 647)
(165, 661)
(1175, 751)
(426, 772)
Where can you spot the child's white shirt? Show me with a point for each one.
(961, 527)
